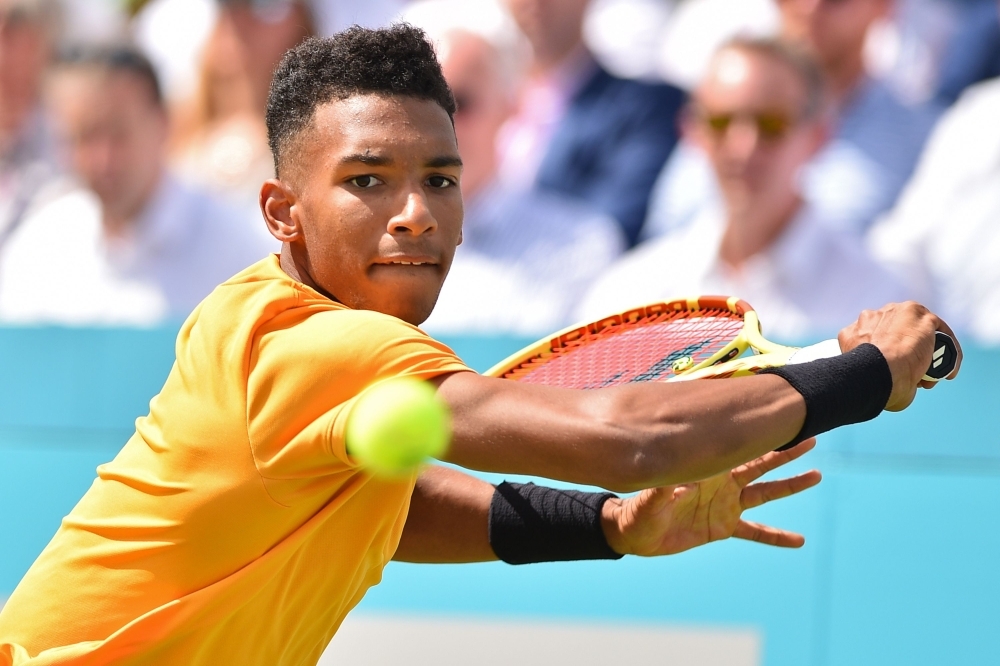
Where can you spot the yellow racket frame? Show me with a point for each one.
(749, 337)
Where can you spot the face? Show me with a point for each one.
(24, 53)
(747, 118)
(369, 208)
(472, 69)
(833, 29)
(554, 27)
(113, 133)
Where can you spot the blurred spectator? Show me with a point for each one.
(943, 237)
(173, 33)
(527, 256)
(221, 139)
(141, 247)
(759, 118)
(28, 29)
(579, 130)
(877, 139)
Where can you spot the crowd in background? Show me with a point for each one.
(815, 157)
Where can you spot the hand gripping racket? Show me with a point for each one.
(695, 338)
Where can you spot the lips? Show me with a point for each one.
(406, 260)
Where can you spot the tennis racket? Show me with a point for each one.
(707, 337)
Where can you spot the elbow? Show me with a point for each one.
(635, 457)
(646, 465)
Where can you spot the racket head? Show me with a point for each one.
(654, 342)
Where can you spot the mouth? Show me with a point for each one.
(406, 260)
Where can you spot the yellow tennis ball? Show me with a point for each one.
(398, 424)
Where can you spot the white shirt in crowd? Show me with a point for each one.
(808, 284)
(526, 260)
(59, 267)
(943, 237)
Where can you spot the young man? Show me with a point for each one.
(234, 527)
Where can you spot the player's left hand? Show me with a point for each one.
(671, 519)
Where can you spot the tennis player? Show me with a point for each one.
(235, 528)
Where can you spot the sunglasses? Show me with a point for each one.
(770, 125)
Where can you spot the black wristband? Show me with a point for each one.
(840, 390)
(530, 523)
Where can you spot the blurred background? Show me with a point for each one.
(814, 157)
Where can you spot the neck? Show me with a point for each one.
(750, 231)
(119, 219)
(296, 266)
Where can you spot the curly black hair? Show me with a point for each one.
(391, 61)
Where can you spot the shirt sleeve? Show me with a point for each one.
(305, 375)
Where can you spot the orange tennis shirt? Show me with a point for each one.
(232, 528)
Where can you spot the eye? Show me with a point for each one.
(440, 182)
(365, 182)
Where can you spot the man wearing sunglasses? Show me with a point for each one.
(759, 117)
(876, 136)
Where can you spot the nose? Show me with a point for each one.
(741, 140)
(415, 218)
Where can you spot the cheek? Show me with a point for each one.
(342, 227)
(449, 213)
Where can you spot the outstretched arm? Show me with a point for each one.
(659, 434)
(625, 438)
(448, 517)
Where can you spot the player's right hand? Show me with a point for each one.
(904, 333)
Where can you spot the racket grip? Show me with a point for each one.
(944, 359)
(942, 362)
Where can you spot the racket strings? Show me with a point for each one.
(649, 348)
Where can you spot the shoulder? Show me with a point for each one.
(973, 116)
(338, 339)
(68, 225)
(880, 106)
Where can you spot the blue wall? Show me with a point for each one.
(903, 534)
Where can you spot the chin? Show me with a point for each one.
(413, 311)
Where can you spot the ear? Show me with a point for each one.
(278, 204)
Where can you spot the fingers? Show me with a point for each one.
(753, 470)
(762, 493)
(767, 535)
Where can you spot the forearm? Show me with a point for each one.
(625, 438)
(457, 518)
(448, 519)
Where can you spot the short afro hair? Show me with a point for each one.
(398, 60)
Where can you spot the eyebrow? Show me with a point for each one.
(366, 159)
(443, 161)
(439, 162)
